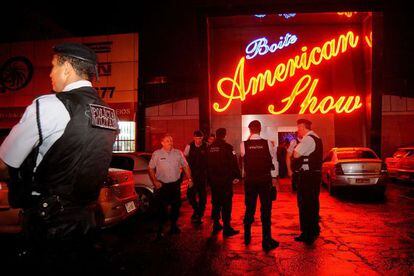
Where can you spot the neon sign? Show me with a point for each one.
(260, 46)
(368, 40)
(260, 15)
(347, 14)
(287, 15)
(237, 87)
(342, 104)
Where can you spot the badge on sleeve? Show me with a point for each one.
(103, 117)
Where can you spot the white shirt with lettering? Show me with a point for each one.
(24, 136)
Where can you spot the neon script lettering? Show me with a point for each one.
(260, 46)
(237, 87)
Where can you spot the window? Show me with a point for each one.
(125, 141)
(357, 154)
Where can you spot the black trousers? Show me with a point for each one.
(222, 200)
(261, 188)
(198, 189)
(168, 195)
(64, 244)
(308, 202)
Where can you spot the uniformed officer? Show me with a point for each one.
(257, 155)
(292, 173)
(58, 155)
(223, 171)
(308, 161)
(165, 172)
(211, 139)
(196, 154)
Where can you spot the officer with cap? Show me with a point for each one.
(196, 154)
(257, 155)
(308, 163)
(57, 157)
(223, 171)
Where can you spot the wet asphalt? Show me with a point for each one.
(361, 234)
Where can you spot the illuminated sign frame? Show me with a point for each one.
(240, 87)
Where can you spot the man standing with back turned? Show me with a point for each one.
(58, 156)
(257, 157)
(223, 172)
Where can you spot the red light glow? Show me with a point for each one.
(237, 88)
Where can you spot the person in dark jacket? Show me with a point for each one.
(196, 154)
(308, 163)
(257, 157)
(57, 158)
(223, 171)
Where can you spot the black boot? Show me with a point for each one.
(217, 227)
(230, 231)
(269, 244)
(247, 234)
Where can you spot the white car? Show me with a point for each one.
(352, 167)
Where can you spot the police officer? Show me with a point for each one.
(196, 154)
(58, 155)
(292, 173)
(165, 172)
(308, 161)
(257, 156)
(223, 171)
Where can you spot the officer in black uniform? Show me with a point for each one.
(196, 154)
(257, 157)
(58, 156)
(222, 171)
(308, 162)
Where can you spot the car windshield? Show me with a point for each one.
(356, 154)
(401, 153)
(122, 162)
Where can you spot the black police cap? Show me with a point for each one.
(76, 50)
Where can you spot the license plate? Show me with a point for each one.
(130, 206)
(362, 180)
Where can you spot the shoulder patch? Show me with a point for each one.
(103, 117)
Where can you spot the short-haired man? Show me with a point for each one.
(165, 172)
(58, 155)
(196, 154)
(308, 162)
(257, 155)
(222, 172)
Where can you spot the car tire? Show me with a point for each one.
(380, 193)
(145, 201)
(331, 189)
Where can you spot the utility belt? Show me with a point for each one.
(302, 171)
(47, 208)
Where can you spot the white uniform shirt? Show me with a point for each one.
(167, 164)
(24, 136)
(257, 137)
(306, 146)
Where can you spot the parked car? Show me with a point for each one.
(401, 164)
(117, 201)
(352, 167)
(137, 162)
